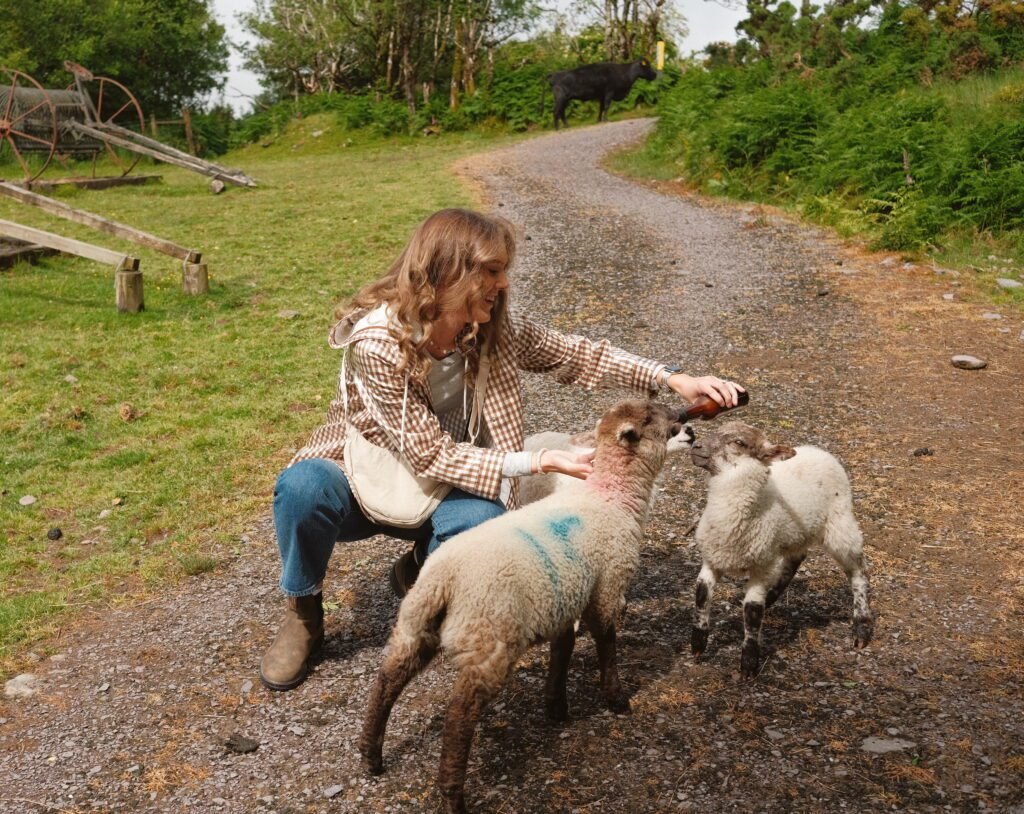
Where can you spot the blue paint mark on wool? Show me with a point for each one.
(561, 530)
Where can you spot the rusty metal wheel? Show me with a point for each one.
(113, 103)
(28, 122)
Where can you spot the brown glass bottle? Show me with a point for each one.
(707, 408)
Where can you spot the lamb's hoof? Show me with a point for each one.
(455, 803)
(619, 704)
(373, 760)
(750, 660)
(557, 709)
(862, 632)
(698, 641)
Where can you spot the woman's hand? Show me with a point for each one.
(722, 392)
(577, 464)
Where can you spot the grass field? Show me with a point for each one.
(152, 439)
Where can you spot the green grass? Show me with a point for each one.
(223, 389)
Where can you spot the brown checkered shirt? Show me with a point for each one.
(376, 391)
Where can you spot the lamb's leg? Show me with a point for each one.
(706, 580)
(404, 660)
(789, 570)
(475, 686)
(603, 631)
(557, 704)
(753, 615)
(843, 540)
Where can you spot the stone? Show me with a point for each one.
(333, 791)
(1006, 283)
(105, 514)
(70, 379)
(27, 500)
(948, 296)
(238, 743)
(54, 534)
(287, 314)
(991, 315)
(923, 451)
(21, 686)
(967, 362)
(882, 746)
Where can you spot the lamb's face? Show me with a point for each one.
(733, 442)
(645, 426)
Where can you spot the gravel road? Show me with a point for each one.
(839, 348)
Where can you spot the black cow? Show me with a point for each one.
(606, 82)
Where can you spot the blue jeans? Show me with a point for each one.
(314, 508)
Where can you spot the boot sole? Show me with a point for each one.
(291, 685)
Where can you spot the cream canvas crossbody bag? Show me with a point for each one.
(384, 484)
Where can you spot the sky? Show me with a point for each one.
(707, 21)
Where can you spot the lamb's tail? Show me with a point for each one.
(418, 628)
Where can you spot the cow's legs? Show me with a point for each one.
(556, 703)
(561, 102)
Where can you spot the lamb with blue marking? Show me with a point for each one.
(767, 504)
(490, 593)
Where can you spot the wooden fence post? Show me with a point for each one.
(128, 286)
(188, 130)
(195, 279)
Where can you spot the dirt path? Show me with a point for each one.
(838, 348)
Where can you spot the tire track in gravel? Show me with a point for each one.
(133, 711)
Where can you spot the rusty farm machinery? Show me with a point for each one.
(94, 116)
(99, 117)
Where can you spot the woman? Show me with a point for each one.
(413, 344)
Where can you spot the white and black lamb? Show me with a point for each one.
(490, 593)
(767, 504)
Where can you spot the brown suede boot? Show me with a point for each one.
(300, 636)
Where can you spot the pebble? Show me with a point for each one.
(27, 500)
(923, 451)
(881, 746)
(949, 297)
(1006, 283)
(70, 379)
(991, 315)
(105, 514)
(967, 362)
(21, 686)
(238, 743)
(774, 734)
(246, 685)
(333, 791)
(54, 533)
(286, 314)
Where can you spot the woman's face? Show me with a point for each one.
(495, 280)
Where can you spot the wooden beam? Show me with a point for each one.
(67, 245)
(62, 210)
(105, 182)
(189, 163)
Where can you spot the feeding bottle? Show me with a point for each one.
(706, 408)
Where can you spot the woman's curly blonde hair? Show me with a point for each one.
(440, 270)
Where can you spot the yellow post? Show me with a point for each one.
(661, 55)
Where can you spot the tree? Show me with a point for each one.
(167, 52)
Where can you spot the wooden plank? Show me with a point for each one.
(11, 253)
(62, 210)
(139, 138)
(160, 155)
(105, 182)
(66, 244)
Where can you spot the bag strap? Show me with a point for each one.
(479, 394)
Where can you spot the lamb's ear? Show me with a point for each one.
(587, 439)
(628, 435)
(777, 452)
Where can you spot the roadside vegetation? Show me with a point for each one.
(903, 128)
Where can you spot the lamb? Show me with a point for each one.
(536, 487)
(522, 578)
(767, 504)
